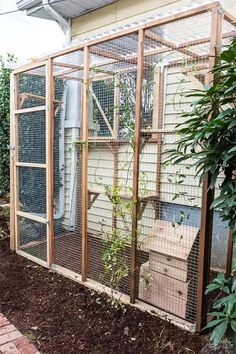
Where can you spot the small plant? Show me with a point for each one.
(115, 241)
(115, 262)
(146, 279)
(224, 308)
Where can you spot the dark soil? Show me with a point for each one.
(4, 200)
(61, 316)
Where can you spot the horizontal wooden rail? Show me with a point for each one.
(158, 131)
(30, 110)
(32, 258)
(29, 164)
(33, 217)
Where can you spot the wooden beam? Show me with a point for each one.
(65, 72)
(115, 149)
(117, 57)
(37, 97)
(183, 45)
(229, 256)
(116, 106)
(164, 20)
(161, 21)
(30, 110)
(68, 65)
(137, 141)
(13, 104)
(30, 66)
(50, 161)
(31, 216)
(30, 164)
(207, 194)
(16, 155)
(158, 114)
(158, 39)
(205, 40)
(102, 112)
(84, 180)
(229, 17)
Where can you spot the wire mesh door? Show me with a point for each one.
(30, 167)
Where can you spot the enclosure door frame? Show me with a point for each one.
(15, 164)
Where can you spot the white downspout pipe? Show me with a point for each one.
(65, 25)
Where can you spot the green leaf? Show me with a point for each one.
(226, 289)
(214, 323)
(211, 287)
(219, 332)
(233, 288)
(216, 314)
(233, 325)
(232, 150)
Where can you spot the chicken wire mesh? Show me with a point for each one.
(32, 88)
(31, 157)
(176, 61)
(170, 196)
(110, 161)
(68, 82)
(33, 238)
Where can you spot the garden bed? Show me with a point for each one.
(61, 316)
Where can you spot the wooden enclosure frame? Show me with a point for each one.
(157, 132)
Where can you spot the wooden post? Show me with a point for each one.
(13, 99)
(84, 181)
(207, 195)
(158, 112)
(229, 253)
(15, 118)
(138, 108)
(49, 160)
(115, 151)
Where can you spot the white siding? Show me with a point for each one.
(101, 165)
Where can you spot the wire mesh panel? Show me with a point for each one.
(32, 137)
(31, 162)
(32, 88)
(32, 190)
(110, 161)
(33, 238)
(68, 82)
(169, 195)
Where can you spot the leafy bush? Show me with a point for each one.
(225, 308)
(5, 70)
(208, 136)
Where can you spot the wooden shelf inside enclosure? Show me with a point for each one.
(169, 279)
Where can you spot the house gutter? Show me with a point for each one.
(65, 25)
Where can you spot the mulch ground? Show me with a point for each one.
(64, 317)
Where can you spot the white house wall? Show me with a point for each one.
(101, 161)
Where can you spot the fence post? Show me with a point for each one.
(13, 100)
(229, 256)
(49, 160)
(84, 186)
(138, 109)
(207, 195)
